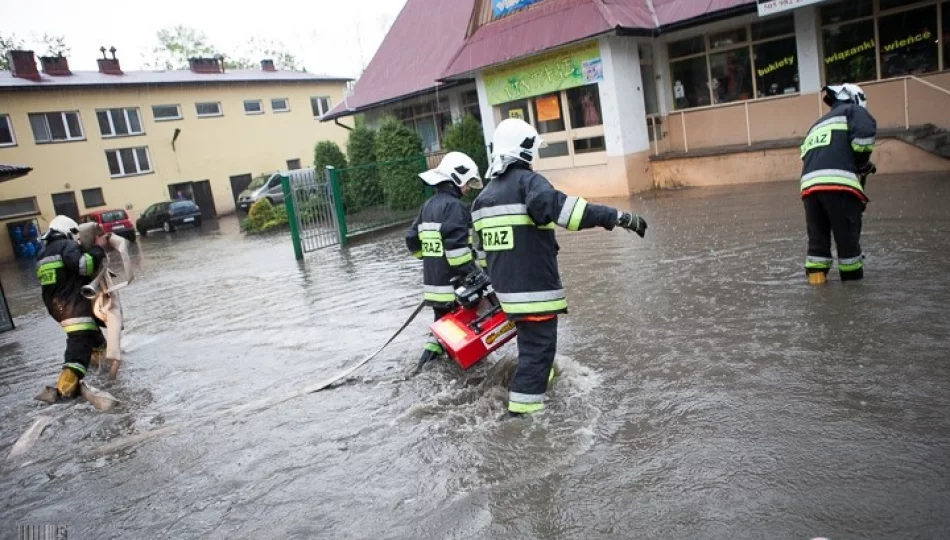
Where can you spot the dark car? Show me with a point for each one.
(112, 221)
(169, 216)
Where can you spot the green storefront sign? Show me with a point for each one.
(545, 74)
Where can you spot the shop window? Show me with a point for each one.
(584, 103)
(908, 42)
(689, 82)
(557, 149)
(776, 67)
(687, 47)
(850, 53)
(891, 4)
(727, 39)
(515, 109)
(770, 28)
(846, 11)
(548, 117)
(731, 75)
(586, 146)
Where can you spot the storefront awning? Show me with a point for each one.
(411, 57)
(556, 23)
(10, 172)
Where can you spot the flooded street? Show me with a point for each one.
(706, 390)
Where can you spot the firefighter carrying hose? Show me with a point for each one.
(837, 160)
(62, 269)
(440, 237)
(515, 218)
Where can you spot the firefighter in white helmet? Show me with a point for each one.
(515, 218)
(440, 236)
(836, 156)
(62, 269)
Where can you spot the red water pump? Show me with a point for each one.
(477, 326)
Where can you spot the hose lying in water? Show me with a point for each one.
(131, 440)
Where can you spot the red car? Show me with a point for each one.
(112, 221)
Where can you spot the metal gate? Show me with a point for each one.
(313, 209)
(6, 320)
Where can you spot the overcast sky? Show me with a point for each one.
(327, 35)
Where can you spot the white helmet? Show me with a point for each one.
(850, 93)
(517, 139)
(455, 167)
(63, 225)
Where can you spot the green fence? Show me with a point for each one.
(379, 195)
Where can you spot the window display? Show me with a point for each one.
(584, 103)
(849, 53)
(776, 67)
(731, 75)
(909, 42)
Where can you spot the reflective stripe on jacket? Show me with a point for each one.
(440, 237)
(836, 146)
(62, 269)
(515, 217)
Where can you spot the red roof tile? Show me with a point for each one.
(418, 47)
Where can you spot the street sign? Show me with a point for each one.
(771, 7)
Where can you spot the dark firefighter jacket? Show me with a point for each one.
(515, 217)
(62, 269)
(440, 236)
(837, 145)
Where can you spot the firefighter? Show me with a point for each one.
(440, 236)
(836, 159)
(515, 218)
(62, 269)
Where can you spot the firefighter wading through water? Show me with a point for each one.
(62, 270)
(836, 159)
(440, 236)
(515, 218)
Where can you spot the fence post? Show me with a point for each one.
(291, 216)
(333, 177)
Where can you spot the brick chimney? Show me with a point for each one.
(55, 65)
(207, 65)
(268, 65)
(109, 66)
(23, 65)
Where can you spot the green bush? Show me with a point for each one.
(466, 136)
(264, 217)
(399, 152)
(327, 153)
(360, 183)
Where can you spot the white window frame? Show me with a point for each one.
(69, 137)
(6, 118)
(135, 157)
(260, 104)
(219, 113)
(125, 113)
(167, 118)
(275, 109)
(320, 110)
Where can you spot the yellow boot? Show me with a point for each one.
(67, 385)
(817, 278)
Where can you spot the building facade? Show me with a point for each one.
(125, 140)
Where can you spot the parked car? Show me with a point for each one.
(112, 221)
(169, 216)
(261, 188)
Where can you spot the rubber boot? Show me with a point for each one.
(817, 278)
(68, 384)
(431, 352)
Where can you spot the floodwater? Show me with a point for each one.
(706, 391)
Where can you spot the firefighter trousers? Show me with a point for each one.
(837, 212)
(79, 347)
(537, 345)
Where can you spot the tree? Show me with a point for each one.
(400, 156)
(8, 43)
(176, 45)
(55, 45)
(467, 136)
(249, 55)
(361, 187)
(328, 153)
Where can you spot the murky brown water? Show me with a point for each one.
(707, 392)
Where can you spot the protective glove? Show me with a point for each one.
(866, 169)
(632, 222)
